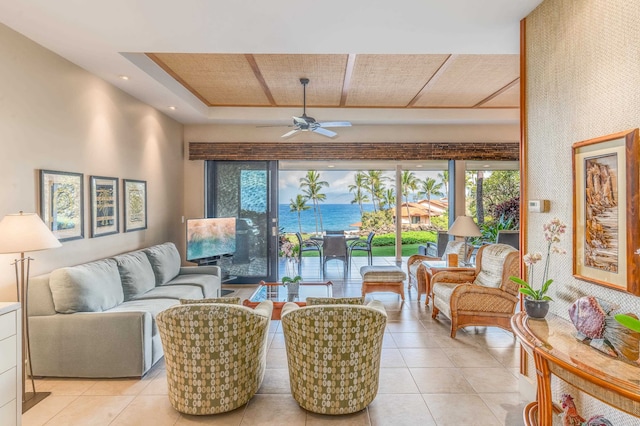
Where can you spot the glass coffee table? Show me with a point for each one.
(280, 294)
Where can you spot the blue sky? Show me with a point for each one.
(339, 181)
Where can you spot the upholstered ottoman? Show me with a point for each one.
(382, 278)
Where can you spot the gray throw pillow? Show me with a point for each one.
(90, 287)
(165, 261)
(136, 274)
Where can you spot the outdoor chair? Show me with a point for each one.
(203, 343)
(334, 247)
(307, 246)
(359, 245)
(484, 296)
(333, 354)
(510, 237)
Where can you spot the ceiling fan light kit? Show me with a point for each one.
(304, 123)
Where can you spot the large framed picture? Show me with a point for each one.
(104, 206)
(61, 203)
(605, 213)
(135, 205)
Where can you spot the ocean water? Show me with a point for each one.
(334, 217)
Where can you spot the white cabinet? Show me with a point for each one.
(10, 372)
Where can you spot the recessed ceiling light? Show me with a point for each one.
(171, 107)
(331, 166)
(486, 166)
(419, 166)
(123, 77)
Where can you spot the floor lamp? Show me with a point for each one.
(464, 226)
(22, 233)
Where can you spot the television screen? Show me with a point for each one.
(210, 237)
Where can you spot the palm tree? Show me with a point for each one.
(388, 198)
(409, 184)
(444, 177)
(479, 198)
(298, 205)
(375, 185)
(311, 185)
(429, 187)
(360, 181)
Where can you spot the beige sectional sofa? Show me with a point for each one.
(98, 319)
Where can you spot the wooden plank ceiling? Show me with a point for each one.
(350, 81)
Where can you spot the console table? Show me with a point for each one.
(556, 352)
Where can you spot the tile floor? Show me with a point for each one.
(426, 378)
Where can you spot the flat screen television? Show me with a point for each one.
(210, 237)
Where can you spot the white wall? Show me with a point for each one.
(57, 116)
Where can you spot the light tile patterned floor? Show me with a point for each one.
(426, 378)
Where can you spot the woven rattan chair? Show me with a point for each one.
(418, 274)
(215, 354)
(484, 296)
(333, 352)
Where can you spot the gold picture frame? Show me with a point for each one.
(135, 205)
(605, 211)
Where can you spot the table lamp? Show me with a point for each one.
(464, 226)
(21, 233)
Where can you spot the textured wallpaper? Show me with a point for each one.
(583, 81)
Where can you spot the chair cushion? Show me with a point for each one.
(454, 247)
(492, 263)
(90, 287)
(136, 274)
(382, 273)
(442, 296)
(311, 301)
(165, 261)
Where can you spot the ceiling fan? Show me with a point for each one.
(304, 123)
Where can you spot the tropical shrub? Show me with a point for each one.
(509, 209)
(411, 237)
(376, 220)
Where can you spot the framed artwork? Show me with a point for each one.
(135, 205)
(61, 203)
(104, 206)
(605, 211)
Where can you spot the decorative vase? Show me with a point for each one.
(536, 309)
(293, 289)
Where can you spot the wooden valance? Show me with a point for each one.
(264, 151)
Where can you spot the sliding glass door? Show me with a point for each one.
(248, 191)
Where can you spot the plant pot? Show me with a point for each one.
(292, 291)
(536, 309)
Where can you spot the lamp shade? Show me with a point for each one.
(464, 226)
(24, 232)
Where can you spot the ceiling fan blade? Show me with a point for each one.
(335, 124)
(299, 120)
(275, 125)
(324, 132)
(290, 133)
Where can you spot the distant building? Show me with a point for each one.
(420, 212)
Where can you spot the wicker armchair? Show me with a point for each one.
(203, 343)
(418, 274)
(333, 352)
(484, 296)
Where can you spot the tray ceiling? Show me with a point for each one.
(347, 81)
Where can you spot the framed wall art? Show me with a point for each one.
(61, 203)
(605, 212)
(104, 206)
(135, 205)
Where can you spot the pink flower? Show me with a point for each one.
(532, 258)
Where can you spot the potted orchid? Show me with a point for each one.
(289, 252)
(536, 302)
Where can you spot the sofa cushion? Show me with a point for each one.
(492, 264)
(165, 261)
(208, 283)
(90, 287)
(153, 306)
(136, 274)
(172, 292)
